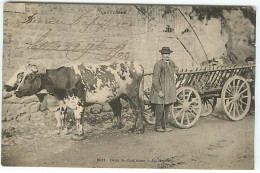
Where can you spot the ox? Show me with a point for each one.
(81, 85)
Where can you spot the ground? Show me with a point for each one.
(213, 143)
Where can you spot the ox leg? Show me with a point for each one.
(59, 122)
(79, 123)
(136, 106)
(63, 122)
(116, 108)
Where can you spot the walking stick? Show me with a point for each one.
(164, 116)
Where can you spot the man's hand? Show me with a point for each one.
(161, 94)
(249, 80)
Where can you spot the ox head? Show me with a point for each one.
(25, 81)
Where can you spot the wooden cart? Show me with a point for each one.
(198, 90)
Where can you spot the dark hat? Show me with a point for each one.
(165, 50)
(250, 58)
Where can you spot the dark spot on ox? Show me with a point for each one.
(113, 66)
(106, 77)
(88, 77)
(103, 67)
(123, 68)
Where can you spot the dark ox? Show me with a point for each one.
(81, 85)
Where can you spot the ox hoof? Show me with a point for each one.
(77, 137)
(64, 132)
(57, 132)
(131, 130)
(139, 131)
(120, 126)
(113, 126)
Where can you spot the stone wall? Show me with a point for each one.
(19, 114)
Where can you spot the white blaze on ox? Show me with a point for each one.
(19, 75)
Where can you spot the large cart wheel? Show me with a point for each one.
(236, 98)
(207, 105)
(187, 108)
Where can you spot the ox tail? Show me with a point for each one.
(141, 91)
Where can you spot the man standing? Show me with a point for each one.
(163, 91)
(250, 78)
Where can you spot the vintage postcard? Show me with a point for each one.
(128, 86)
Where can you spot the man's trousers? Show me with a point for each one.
(161, 114)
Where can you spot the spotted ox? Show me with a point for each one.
(82, 85)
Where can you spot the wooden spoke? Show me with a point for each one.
(196, 111)
(189, 95)
(177, 107)
(179, 113)
(237, 86)
(230, 86)
(234, 85)
(205, 102)
(236, 110)
(195, 107)
(210, 102)
(229, 98)
(243, 91)
(187, 117)
(230, 108)
(182, 117)
(179, 100)
(229, 103)
(192, 113)
(241, 86)
(240, 106)
(229, 91)
(243, 102)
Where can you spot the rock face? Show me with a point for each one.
(19, 113)
(96, 108)
(106, 108)
(35, 107)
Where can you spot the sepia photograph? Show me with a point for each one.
(128, 86)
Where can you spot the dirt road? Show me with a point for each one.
(213, 143)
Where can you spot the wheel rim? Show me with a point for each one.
(187, 108)
(236, 98)
(207, 106)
